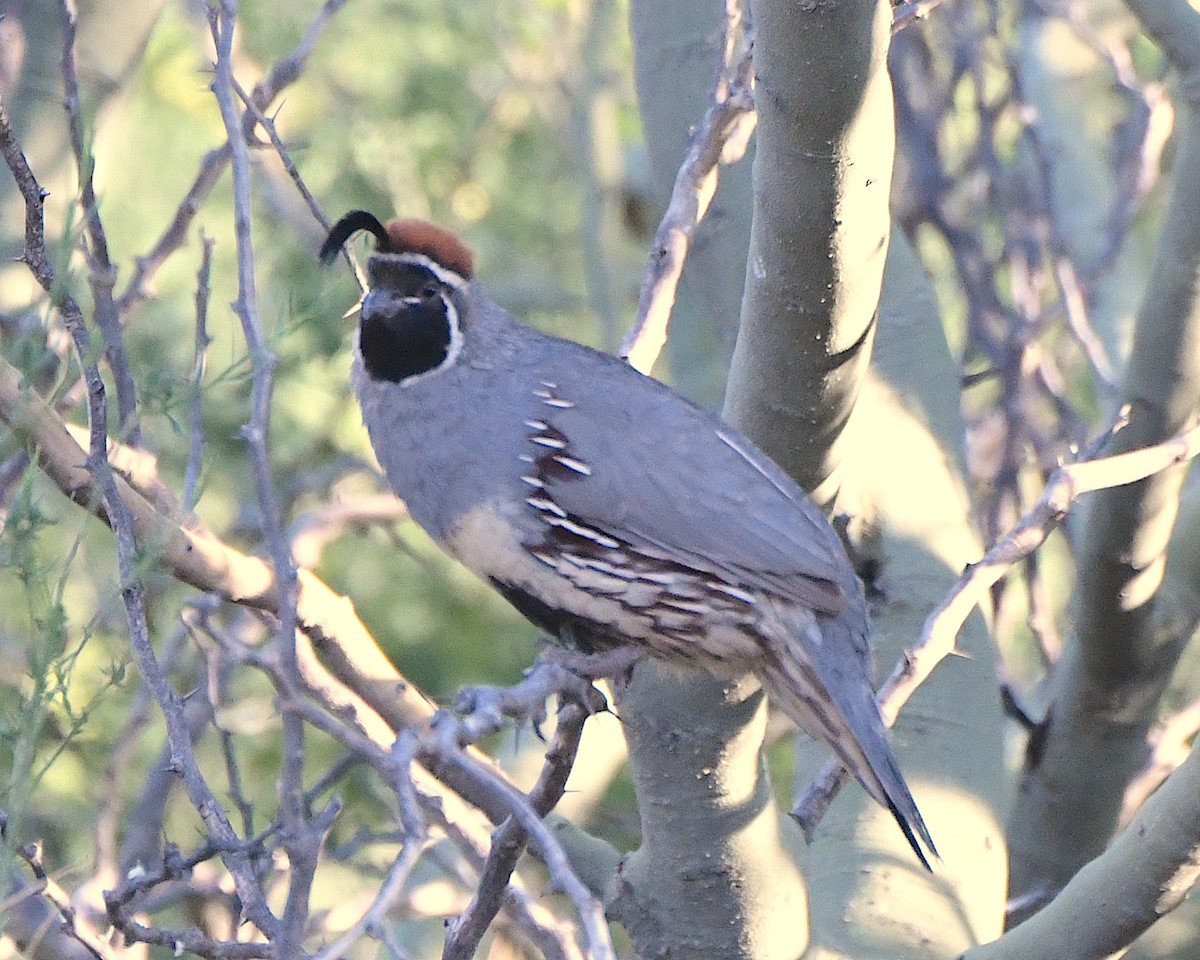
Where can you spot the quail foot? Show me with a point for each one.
(603, 506)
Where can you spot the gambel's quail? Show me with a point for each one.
(606, 508)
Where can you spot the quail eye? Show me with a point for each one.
(429, 291)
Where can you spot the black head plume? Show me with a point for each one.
(345, 228)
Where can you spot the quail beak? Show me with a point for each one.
(356, 308)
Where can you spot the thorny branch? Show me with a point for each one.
(27, 922)
(302, 840)
(508, 842)
(103, 271)
(195, 556)
(282, 74)
(121, 520)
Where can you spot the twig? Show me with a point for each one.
(313, 531)
(695, 184)
(125, 902)
(940, 631)
(44, 886)
(389, 892)
(268, 124)
(283, 74)
(103, 274)
(104, 482)
(302, 839)
(191, 477)
(414, 844)
(287, 71)
(212, 165)
(443, 741)
(508, 842)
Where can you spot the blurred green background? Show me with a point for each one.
(511, 123)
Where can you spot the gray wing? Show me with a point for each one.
(627, 457)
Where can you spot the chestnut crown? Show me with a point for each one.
(401, 237)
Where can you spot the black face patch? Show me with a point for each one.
(411, 340)
(407, 330)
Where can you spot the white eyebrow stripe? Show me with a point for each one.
(447, 276)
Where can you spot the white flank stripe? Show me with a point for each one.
(552, 442)
(593, 535)
(577, 465)
(612, 570)
(542, 503)
(726, 589)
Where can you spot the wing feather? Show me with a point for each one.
(680, 483)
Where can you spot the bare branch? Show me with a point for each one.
(508, 842)
(313, 531)
(103, 272)
(268, 125)
(175, 235)
(695, 184)
(283, 74)
(20, 907)
(105, 490)
(941, 628)
(191, 477)
(442, 740)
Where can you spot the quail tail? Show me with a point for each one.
(833, 701)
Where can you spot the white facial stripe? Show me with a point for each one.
(452, 349)
(456, 337)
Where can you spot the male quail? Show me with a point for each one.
(606, 508)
